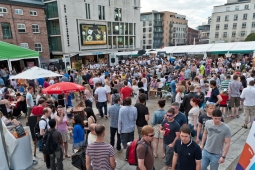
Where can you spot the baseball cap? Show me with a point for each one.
(225, 90)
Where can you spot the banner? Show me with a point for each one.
(247, 159)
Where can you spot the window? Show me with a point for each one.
(218, 19)
(216, 35)
(144, 29)
(253, 24)
(226, 18)
(225, 26)
(19, 11)
(150, 29)
(150, 41)
(117, 14)
(245, 16)
(242, 33)
(150, 23)
(35, 28)
(246, 6)
(244, 25)
(144, 35)
(150, 35)
(101, 12)
(234, 25)
(253, 15)
(87, 9)
(38, 47)
(144, 23)
(3, 10)
(51, 9)
(235, 17)
(33, 13)
(236, 8)
(6, 29)
(225, 34)
(21, 28)
(228, 9)
(144, 42)
(233, 34)
(217, 27)
(24, 45)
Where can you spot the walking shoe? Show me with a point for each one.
(106, 117)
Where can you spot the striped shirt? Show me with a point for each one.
(100, 153)
(114, 115)
(224, 84)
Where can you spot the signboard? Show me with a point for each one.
(247, 159)
(93, 34)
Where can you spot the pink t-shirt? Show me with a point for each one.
(62, 127)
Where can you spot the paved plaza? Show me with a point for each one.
(239, 136)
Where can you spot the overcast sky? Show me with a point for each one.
(196, 11)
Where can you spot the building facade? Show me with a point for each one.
(233, 22)
(162, 29)
(23, 24)
(204, 31)
(92, 28)
(193, 36)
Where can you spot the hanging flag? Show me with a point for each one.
(247, 159)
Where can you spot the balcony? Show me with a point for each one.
(158, 31)
(158, 20)
(158, 24)
(158, 37)
(171, 24)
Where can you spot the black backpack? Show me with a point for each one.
(49, 145)
(37, 129)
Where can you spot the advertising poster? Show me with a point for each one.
(247, 159)
(93, 34)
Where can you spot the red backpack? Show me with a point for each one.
(131, 151)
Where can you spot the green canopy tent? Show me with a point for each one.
(12, 52)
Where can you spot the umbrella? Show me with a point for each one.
(35, 73)
(63, 87)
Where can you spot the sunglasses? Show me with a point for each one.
(169, 115)
(150, 135)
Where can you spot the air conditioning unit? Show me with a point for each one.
(1, 15)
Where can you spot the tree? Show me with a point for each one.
(250, 37)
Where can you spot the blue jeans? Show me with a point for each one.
(125, 138)
(39, 144)
(113, 131)
(102, 105)
(210, 159)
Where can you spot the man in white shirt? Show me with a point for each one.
(96, 80)
(101, 100)
(247, 95)
(250, 78)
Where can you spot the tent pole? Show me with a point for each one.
(39, 63)
(9, 65)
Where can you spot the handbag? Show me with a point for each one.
(79, 158)
(20, 131)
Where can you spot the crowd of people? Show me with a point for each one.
(188, 130)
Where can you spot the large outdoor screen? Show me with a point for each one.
(93, 34)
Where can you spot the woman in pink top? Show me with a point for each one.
(62, 127)
(181, 75)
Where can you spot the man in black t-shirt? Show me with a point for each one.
(142, 114)
(187, 153)
(215, 95)
(170, 129)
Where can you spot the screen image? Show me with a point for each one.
(93, 34)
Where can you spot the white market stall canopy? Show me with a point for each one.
(131, 53)
(243, 47)
(183, 49)
(169, 49)
(198, 49)
(220, 48)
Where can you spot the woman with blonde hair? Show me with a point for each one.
(180, 94)
(88, 92)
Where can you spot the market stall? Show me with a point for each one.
(12, 53)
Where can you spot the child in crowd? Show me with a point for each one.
(223, 103)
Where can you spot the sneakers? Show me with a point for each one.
(106, 117)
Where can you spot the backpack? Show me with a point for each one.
(49, 145)
(131, 152)
(37, 129)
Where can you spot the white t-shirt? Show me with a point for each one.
(163, 80)
(51, 82)
(102, 78)
(101, 93)
(249, 79)
(42, 123)
(96, 80)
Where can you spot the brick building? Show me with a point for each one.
(192, 34)
(23, 23)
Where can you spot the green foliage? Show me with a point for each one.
(250, 37)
